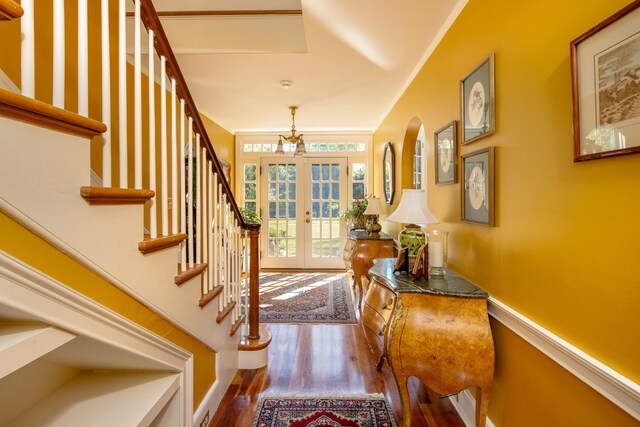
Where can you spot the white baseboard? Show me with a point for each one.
(465, 404)
(210, 403)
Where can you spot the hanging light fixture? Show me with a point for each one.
(293, 138)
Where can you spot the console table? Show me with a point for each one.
(436, 330)
(360, 251)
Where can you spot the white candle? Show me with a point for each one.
(436, 255)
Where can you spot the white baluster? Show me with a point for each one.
(210, 195)
(174, 161)
(153, 209)
(137, 99)
(182, 201)
(203, 228)
(58, 53)
(83, 58)
(122, 95)
(27, 50)
(164, 205)
(190, 195)
(106, 90)
(198, 235)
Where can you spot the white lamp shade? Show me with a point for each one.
(413, 209)
(374, 207)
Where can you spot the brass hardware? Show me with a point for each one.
(388, 304)
(307, 212)
(308, 220)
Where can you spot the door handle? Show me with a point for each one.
(307, 220)
(307, 212)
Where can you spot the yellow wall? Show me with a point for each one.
(223, 143)
(564, 249)
(29, 248)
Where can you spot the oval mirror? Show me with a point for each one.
(388, 165)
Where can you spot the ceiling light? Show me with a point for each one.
(293, 138)
(286, 84)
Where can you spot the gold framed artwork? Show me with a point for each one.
(605, 80)
(446, 154)
(477, 192)
(478, 102)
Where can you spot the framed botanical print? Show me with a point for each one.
(388, 165)
(477, 187)
(446, 141)
(478, 102)
(605, 71)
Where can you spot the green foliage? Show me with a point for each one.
(357, 210)
(249, 216)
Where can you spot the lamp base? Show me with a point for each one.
(374, 227)
(412, 237)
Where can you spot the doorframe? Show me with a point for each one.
(361, 140)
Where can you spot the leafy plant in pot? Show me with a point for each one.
(356, 215)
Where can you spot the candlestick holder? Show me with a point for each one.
(438, 249)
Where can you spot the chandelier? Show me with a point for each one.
(293, 138)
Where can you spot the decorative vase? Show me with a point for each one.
(412, 237)
(359, 223)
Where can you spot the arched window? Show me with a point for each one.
(418, 159)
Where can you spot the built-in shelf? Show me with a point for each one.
(104, 399)
(22, 343)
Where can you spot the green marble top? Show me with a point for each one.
(447, 285)
(364, 235)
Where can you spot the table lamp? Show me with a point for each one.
(413, 212)
(374, 208)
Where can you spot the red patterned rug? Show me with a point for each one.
(360, 410)
(305, 298)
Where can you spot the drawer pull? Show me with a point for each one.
(381, 333)
(388, 304)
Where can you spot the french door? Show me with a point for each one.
(301, 203)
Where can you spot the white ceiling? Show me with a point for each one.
(349, 60)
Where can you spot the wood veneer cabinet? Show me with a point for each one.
(436, 330)
(360, 251)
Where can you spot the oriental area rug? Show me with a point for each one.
(306, 298)
(361, 410)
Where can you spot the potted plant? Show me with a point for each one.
(356, 215)
(249, 216)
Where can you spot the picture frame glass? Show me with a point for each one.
(478, 102)
(477, 187)
(446, 154)
(606, 87)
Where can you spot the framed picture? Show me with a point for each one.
(477, 187)
(226, 170)
(446, 142)
(478, 102)
(605, 77)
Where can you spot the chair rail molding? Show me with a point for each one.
(619, 389)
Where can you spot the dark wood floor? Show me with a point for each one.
(325, 358)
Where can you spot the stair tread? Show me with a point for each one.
(149, 245)
(20, 107)
(117, 399)
(115, 196)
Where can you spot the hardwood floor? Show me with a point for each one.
(325, 358)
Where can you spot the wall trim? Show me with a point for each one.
(28, 290)
(7, 83)
(465, 404)
(619, 389)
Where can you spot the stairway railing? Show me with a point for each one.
(196, 200)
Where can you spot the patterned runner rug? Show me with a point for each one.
(362, 410)
(305, 298)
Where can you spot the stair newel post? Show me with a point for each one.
(254, 278)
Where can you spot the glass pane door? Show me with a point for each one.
(301, 204)
(325, 182)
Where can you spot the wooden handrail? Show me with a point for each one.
(150, 19)
(10, 10)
